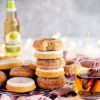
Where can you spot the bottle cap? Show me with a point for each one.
(11, 5)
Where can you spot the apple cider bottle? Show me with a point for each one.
(12, 36)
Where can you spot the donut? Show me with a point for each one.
(20, 84)
(51, 83)
(47, 44)
(33, 66)
(30, 63)
(90, 63)
(50, 64)
(4, 57)
(51, 73)
(70, 67)
(23, 71)
(3, 78)
(10, 63)
(48, 54)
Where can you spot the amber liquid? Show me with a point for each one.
(87, 86)
(11, 24)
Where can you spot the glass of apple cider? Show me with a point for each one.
(87, 80)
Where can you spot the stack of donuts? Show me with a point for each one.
(49, 63)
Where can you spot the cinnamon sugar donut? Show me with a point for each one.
(50, 64)
(3, 77)
(70, 67)
(23, 71)
(47, 44)
(33, 66)
(53, 83)
(90, 63)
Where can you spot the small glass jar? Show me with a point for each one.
(87, 80)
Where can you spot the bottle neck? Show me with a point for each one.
(11, 9)
(11, 15)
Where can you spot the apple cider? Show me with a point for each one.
(12, 36)
(87, 81)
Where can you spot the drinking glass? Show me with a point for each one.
(87, 80)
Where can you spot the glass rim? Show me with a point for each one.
(78, 73)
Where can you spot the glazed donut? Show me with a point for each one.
(9, 63)
(5, 58)
(20, 84)
(50, 64)
(3, 78)
(52, 83)
(47, 44)
(23, 71)
(51, 73)
(48, 54)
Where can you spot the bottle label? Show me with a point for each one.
(13, 42)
